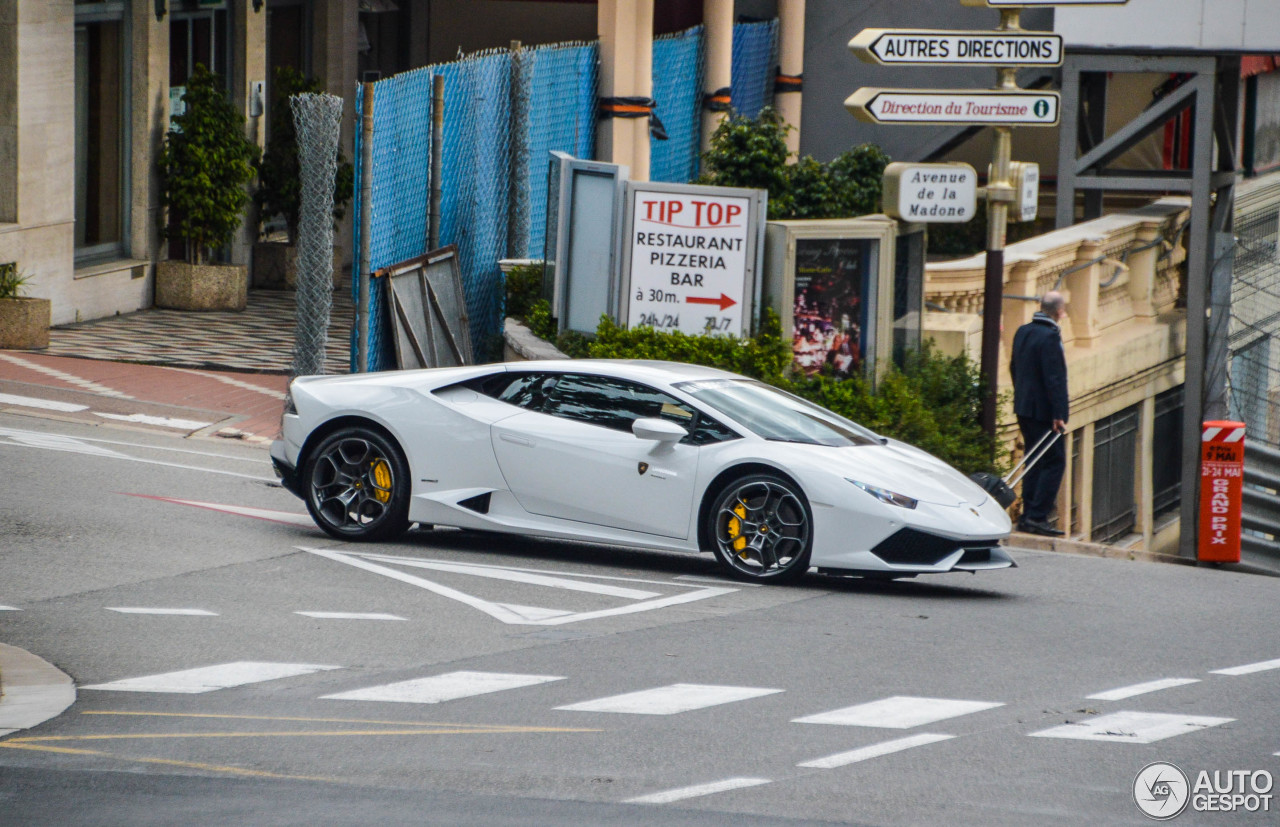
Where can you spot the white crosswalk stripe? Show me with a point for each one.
(898, 712)
(1249, 668)
(1129, 727)
(853, 756)
(1140, 689)
(697, 790)
(139, 610)
(439, 688)
(209, 678)
(670, 700)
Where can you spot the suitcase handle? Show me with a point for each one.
(1031, 458)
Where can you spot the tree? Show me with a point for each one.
(753, 153)
(207, 163)
(279, 185)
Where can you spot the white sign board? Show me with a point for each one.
(929, 47)
(944, 106)
(1026, 182)
(691, 257)
(931, 193)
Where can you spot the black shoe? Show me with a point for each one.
(1039, 527)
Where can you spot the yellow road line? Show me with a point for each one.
(21, 744)
(302, 734)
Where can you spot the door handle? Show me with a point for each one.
(516, 440)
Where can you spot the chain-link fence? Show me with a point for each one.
(1253, 372)
(755, 62)
(503, 115)
(317, 121)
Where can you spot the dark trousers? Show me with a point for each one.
(1040, 485)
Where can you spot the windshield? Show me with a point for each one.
(777, 415)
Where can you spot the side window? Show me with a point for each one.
(616, 403)
(524, 390)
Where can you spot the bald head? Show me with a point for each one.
(1053, 304)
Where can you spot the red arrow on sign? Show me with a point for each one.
(724, 301)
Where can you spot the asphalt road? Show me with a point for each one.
(234, 664)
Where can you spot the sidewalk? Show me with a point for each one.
(220, 374)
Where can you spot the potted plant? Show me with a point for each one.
(207, 163)
(24, 321)
(279, 187)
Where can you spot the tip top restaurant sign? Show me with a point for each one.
(691, 256)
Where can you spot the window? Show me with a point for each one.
(773, 414)
(101, 128)
(599, 400)
(1166, 465)
(1115, 445)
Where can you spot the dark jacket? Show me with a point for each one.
(1039, 371)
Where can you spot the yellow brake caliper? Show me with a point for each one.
(381, 480)
(735, 529)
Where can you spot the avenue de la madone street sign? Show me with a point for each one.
(1000, 107)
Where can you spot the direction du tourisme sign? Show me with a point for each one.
(691, 257)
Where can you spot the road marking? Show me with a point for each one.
(44, 404)
(209, 678)
(511, 613)
(141, 611)
(439, 688)
(57, 442)
(65, 377)
(853, 756)
(286, 517)
(898, 712)
(482, 728)
(1131, 727)
(670, 700)
(1248, 668)
(164, 421)
(1140, 689)
(697, 790)
(517, 576)
(350, 616)
(9, 609)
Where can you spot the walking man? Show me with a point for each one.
(1039, 372)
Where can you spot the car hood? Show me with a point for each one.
(897, 466)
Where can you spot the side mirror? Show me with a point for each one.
(658, 429)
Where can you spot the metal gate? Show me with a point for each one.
(1115, 443)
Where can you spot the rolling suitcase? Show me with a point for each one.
(1001, 490)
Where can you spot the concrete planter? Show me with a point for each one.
(24, 323)
(183, 286)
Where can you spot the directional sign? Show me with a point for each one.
(1013, 107)
(1009, 4)
(941, 193)
(931, 47)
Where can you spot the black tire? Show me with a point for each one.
(357, 485)
(761, 529)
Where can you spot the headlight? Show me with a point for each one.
(886, 496)
(289, 407)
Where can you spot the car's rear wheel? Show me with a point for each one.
(357, 485)
(761, 528)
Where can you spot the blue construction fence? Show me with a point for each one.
(504, 113)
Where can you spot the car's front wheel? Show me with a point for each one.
(761, 528)
(357, 485)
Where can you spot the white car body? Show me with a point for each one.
(552, 477)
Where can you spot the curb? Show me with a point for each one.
(1065, 545)
(33, 691)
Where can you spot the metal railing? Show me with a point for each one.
(1260, 543)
